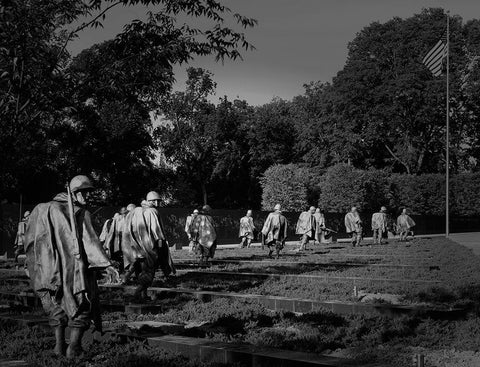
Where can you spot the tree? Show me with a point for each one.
(384, 109)
(47, 100)
(185, 138)
(234, 187)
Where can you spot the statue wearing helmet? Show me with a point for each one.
(145, 235)
(63, 268)
(274, 231)
(20, 237)
(80, 186)
(203, 234)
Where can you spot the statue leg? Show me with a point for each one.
(57, 319)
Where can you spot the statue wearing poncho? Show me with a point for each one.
(353, 225)
(203, 234)
(51, 263)
(306, 227)
(145, 247)
(113, 242)
(274, 231)
(379, 225)
(404, 225)
(246, 232)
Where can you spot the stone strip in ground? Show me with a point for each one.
(274, 303)
(193, 263)
(278, 303)
(306, 276)
(13, 363)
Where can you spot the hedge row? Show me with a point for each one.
(341, 186)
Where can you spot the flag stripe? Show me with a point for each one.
(436, 63)
(433, 60)
(439, 53)
(434, 49)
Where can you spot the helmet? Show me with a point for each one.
(26, 214)
(383, 209)
(79, 183)
(206, 208)
(144, 204)
(130, 207)
(277, 207)
(153, 195)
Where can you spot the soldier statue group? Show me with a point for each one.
(65, 257)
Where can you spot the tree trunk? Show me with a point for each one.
(204, 193)
(421, 157)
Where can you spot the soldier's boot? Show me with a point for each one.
(126, 276)
(74, 349)
(60, 345)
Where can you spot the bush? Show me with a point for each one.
(285, 185)
(425, 194)
(344, 186)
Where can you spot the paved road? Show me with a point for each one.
(470, 240)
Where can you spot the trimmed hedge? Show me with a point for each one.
(342, 186)
(285, 185)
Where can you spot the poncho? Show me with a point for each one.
(202, 232)
(247, 228)
(274, 228)
(404, 223)
(50, 250)
(114, 237)
(144, 239)
(306, 224)
(379, 221)
(353, 222)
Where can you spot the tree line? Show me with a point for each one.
(93, 112)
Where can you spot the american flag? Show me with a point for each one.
(433, 60)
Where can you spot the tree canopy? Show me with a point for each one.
(92, 113)
(63, 115)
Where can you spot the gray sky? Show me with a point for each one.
(296, 41)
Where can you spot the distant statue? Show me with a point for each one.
(379, 225)
(203, 234)
(404, 225)
(20, 237)
(306, 227)
(188, 223)
(354, 226)
(274, 231)
(247, 230)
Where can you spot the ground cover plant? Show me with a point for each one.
(35, 345)
(366, 339)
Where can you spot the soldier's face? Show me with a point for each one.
(154, 203)
(82, 197)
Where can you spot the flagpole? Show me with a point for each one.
(447, 138)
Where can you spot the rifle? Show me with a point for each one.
(79, 264)
(328, 230)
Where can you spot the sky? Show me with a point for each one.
(296, 41)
